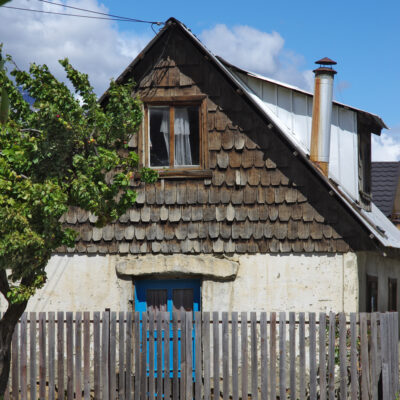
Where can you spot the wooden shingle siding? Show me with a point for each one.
(260, 199)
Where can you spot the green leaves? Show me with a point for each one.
(62, 152)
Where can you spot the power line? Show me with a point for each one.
(101, 13)
(110, 18)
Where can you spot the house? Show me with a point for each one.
(242, 217)
(385, 180)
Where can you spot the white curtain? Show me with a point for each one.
(164, 128)
(183, 155)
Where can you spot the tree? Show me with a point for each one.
(66, 150)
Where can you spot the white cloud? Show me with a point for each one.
(387, 146)
(92, 46)
(259, 52)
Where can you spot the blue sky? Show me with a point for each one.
(362, 36)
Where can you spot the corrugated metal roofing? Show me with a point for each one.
(384, 180)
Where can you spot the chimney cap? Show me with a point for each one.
(326, 61)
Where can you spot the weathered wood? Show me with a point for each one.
(51, 350)
(292, 354)
(60, 355)
(312, 353)
(96, 355)
(364, 356)
(385, 357)
(331, 356)
(225, 356)
(128, 357)
(151, 357)
(42, 355)
(264, 356)
(374, 356)
(235, 357)
(15, 363)
(86, 355)
(112, 356)
(23, 356)
(216, 354)
(182, 387)
(189, 356)
(244, 350)
(342, 355)
(105, 341)
(121, 355)
(143, 359)
(159, 355)
(70, 354)
(302, 361)
(272, 356)
(167, 367)
(175, 357)
(78, 355)
(198, 363)
(254, 359)
(353, 357)
(206, 355)
(138, 366)
(396, 352)
(282, 355)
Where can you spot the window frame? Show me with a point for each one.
(371, 279)
(199, 170)
(392, 294)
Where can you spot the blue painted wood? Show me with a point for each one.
(141, 287)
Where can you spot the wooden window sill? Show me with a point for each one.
(185, 173)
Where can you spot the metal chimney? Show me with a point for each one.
(322, 114)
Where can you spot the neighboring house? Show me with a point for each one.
(241, 218)
(385, 181)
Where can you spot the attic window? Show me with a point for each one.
(174, 134)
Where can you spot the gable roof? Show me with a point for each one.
(374, 222)
(384, 180)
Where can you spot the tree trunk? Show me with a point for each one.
(7, 325)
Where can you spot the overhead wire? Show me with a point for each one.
(107, 17)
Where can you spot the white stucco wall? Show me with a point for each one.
(284, 282)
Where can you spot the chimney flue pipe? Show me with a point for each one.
(322, 114)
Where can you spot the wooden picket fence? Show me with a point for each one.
(205, 355)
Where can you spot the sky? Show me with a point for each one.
(280, 39)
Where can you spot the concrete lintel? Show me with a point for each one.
(178, 265)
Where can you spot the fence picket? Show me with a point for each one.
(264, 356)
(96, 355)
(364, 356)
(175, 356)
(143, 359)
(198, 363)
(216, 353)
(128, 357)
(282, 355)
(189, 355)
(353, 357)
(182, 388)
(60, 355)
(225, 356)
(235, 357)
(42, 355)
(384, 355)
(342, 356)
(138, 366)
(23, 356)
(159, 355)
(51, 349)
(254, 359)
(206, 355)
(86, 355)
(15, 364)
(121, 356)
(167, 367)
(151, 357)
(70, 360)
(78, 355)
(396, 351)
(272, 356)
(322, 355)
(302, 350)
(331, 356)
(243, 342)
(292, 354)
(112, 357)
(105, 341)
(312, 353)
(374, 356)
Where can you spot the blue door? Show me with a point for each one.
(170, 295)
